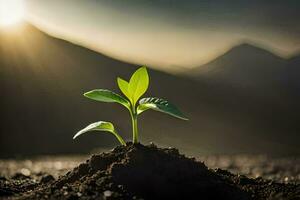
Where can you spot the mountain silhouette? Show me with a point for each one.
(43, 79)
(254, 71)
(244, 65)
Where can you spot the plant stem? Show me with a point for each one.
(134, 126)
(120, 139)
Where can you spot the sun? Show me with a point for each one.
(11, 12)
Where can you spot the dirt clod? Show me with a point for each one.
(47, 178)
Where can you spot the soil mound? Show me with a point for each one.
(148, 172)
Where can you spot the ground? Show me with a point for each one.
(148, 172)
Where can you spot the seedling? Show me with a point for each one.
(133, 91)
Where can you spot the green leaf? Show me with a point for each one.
(160, 105)
(101, 126)
(106, 96)
(123, 85)
(138, 84)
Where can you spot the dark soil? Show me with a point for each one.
(144, 172)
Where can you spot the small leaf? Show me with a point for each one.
(106, 96)
(138, 84)
(160, 105)
(123, 85)
(101, 126)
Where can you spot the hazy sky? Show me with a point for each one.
(171, 33)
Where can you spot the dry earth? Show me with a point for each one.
(113, 175)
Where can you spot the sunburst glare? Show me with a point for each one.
(11, 12)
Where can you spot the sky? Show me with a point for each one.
(170, 34)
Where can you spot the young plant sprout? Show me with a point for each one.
(133, 90)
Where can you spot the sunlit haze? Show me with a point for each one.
(159, 34)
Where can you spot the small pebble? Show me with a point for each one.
(152, 145)
(120, 186)
(107, 193)
(25, 172)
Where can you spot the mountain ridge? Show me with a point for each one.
(26, 26)
(244, 49)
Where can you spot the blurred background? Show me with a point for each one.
(231, 67)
